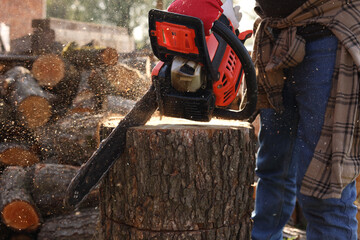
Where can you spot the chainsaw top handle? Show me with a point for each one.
(250, 76)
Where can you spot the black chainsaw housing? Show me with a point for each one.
(197, 106)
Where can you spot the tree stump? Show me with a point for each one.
(181, 182)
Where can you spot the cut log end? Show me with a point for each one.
(48, 70)
(122, 78)
(18, 156)
(35, 110)
(109, 56)
(20, 215)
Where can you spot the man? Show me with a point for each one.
(307, 56)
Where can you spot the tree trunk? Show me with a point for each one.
(75, 226)
(48, 188)
(181, 182)
(31, 103)
(17, 207)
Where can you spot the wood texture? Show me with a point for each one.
(48, 69)
(65, 91)
(71, 139)
(18, 154)
(92, 57)
(48, 188)
(85, 99)
(17, 207)
(181, 182)
(31, 103)
(120, 80)
(74, 226)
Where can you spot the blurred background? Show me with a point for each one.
(131, 14)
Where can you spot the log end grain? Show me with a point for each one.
(122, 78)
(18, 156)
(20, 215)
(35, 110)
(109, 56)
(48, 70)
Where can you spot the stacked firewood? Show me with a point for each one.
(50, 109)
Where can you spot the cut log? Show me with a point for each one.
(71, 139)
(18, 154)
(30, 101)
(77, 225)
(119, 80)
(65, 91)
(17, 208)
(85, 100)
(48, 187)
(126, 81)
(49, 70)
(90, 57)
(181, 182)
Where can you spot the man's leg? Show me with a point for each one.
(327, 218)
(276, 188)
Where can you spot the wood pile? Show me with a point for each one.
(50, 109)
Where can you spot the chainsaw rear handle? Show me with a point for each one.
(249, 71)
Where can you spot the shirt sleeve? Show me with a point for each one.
(206, 10)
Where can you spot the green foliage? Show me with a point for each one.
(124, 13)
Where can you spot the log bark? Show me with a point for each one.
(8, 61)
(65, 91)
(181, 182)
(85, 100)
(6, 115)
(90, 57)
(77, 225)
(31, 103)
(17, 207)
(18, 154)
(48, 188)
(71, 140)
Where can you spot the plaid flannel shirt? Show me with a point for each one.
(336, 160)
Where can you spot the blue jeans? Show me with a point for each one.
(287, 142)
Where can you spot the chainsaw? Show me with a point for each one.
(197, 78)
